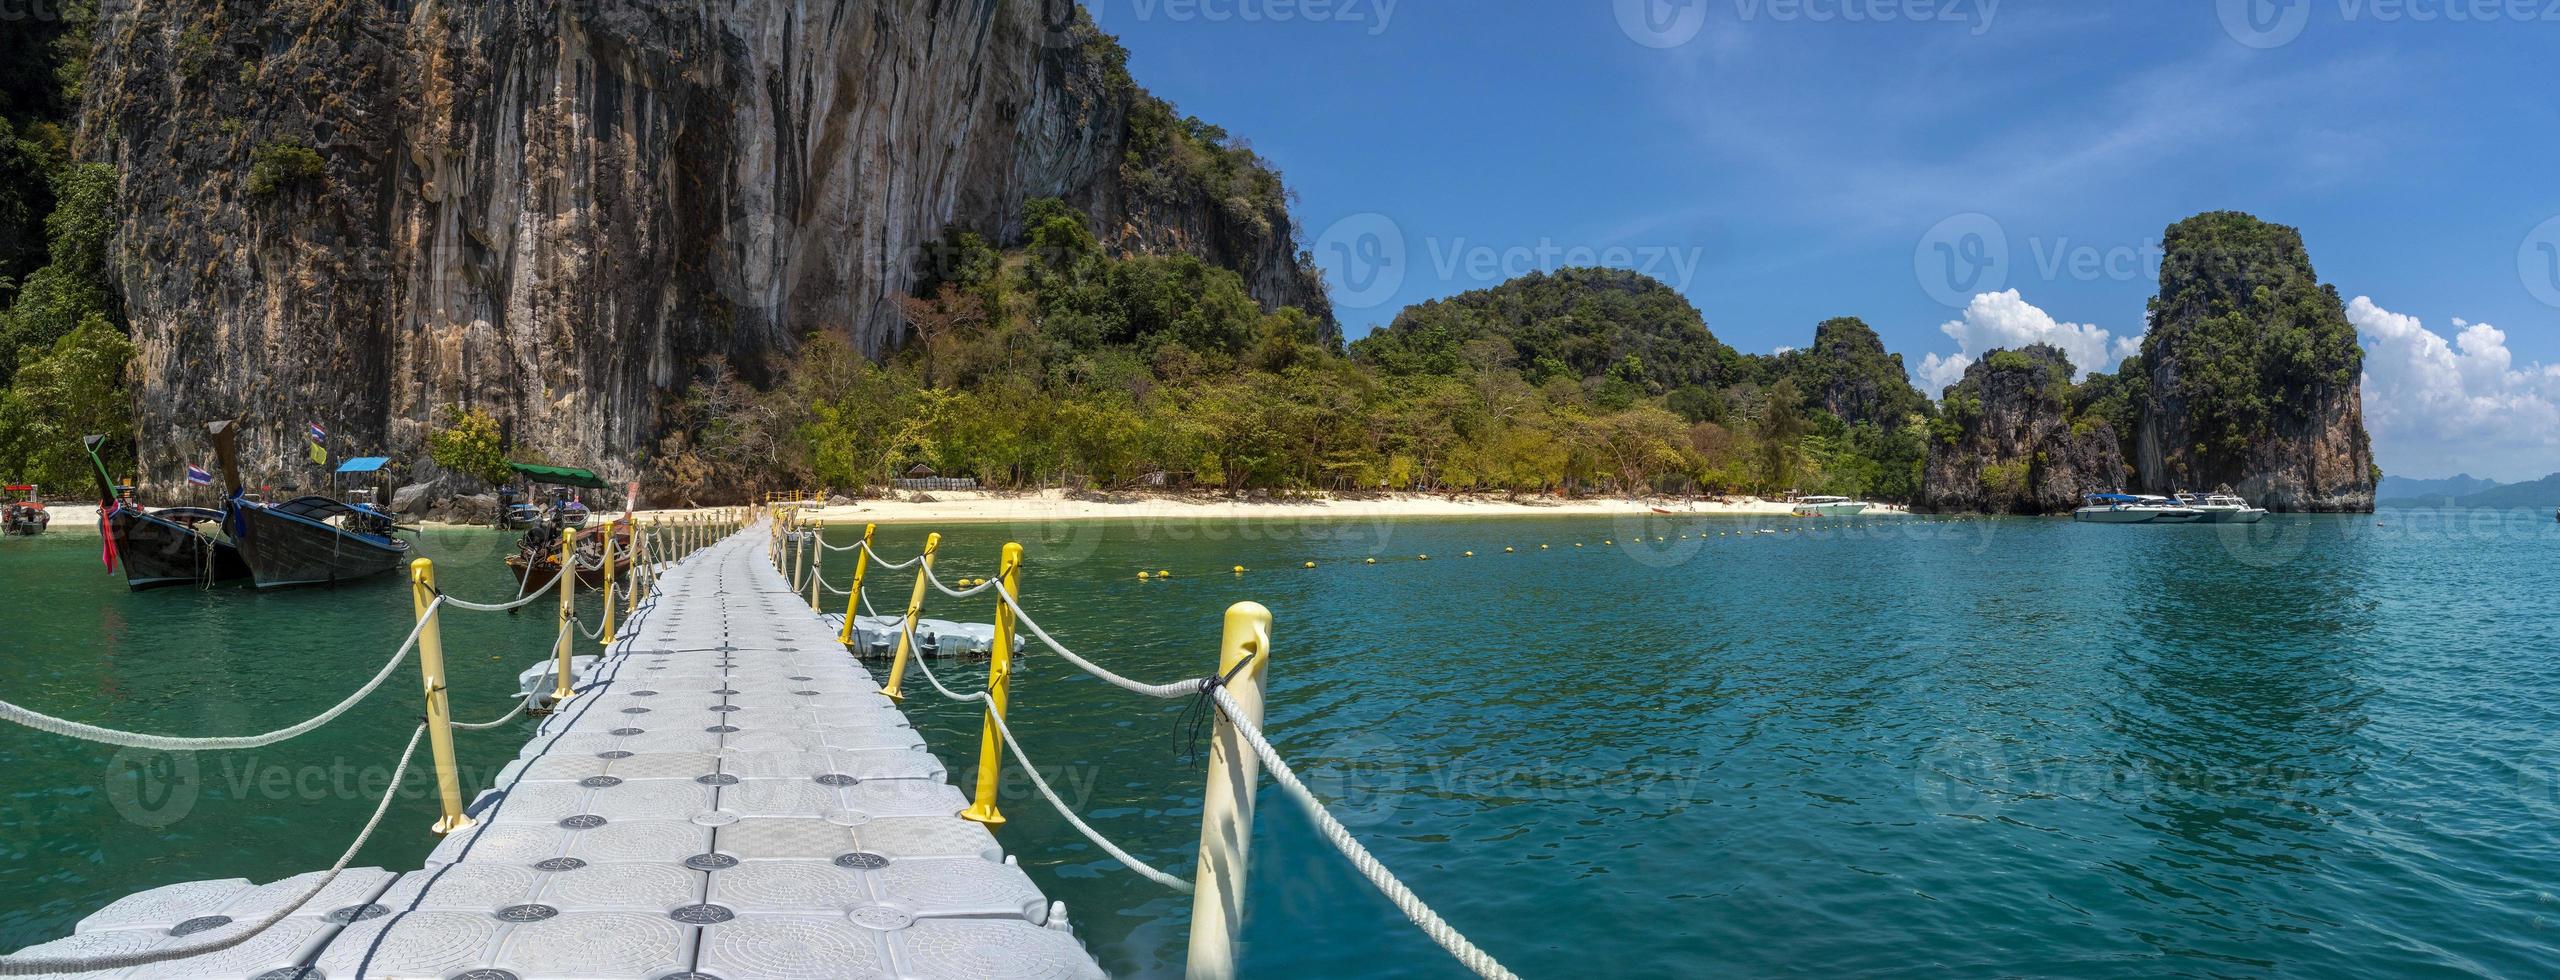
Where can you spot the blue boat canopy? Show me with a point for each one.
(2113, 498)
(364, 464)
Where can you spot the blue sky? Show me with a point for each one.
(1784, 161)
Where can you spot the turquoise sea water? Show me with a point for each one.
(2319, 747)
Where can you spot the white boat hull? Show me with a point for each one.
(1830, 510)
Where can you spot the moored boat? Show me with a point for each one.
(2221, 508)
(163, 547)
(1829, 507)
(537, 558)
(308, 540)
(2122, 508)
(25, 515)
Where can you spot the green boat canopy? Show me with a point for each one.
(559, 476)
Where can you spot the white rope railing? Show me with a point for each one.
(1022, 620)
(885, 564)
(1415, 910)
(1145, 870)
(1334, 832)
(169, 743)
(519, 602)
(17, 966)
(502, 719)
(957, 593)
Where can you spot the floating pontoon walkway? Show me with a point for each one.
(729, 796)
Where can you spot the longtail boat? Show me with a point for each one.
(537, 557)
(25, 515)
(536, 560)
(308, 540)
(168, 546)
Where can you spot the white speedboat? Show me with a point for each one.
(2221, 508)
(1828, 507)
(2121, 508)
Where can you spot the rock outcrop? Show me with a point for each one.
(360, 214)
(2006, 443)
(1848, 373)
(2252, 373)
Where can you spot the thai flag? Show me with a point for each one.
(198, 476)
(319, 434)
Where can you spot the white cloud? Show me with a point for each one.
(1782, 350)
(2437, 408)
(2002, 320)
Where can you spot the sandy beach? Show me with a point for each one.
(984, 507)
(1059, 505)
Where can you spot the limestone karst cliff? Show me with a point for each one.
(2248, 379)
(2006, 444)
(2250, 376)
(361, 213)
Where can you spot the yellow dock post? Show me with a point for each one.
(604, 636)
(915, 607)
(1226, 817)
(639, 566)
(853, 599)
(799, 551)
(999, 674)
(422, 595)
(817, 560)
(560, 692)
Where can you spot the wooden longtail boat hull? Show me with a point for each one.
(283, 549)
(538, 574)
(158, 552)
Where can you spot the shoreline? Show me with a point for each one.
(986, 507)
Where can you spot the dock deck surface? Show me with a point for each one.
(730, 796)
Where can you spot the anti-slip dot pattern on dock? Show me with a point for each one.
(729, 796)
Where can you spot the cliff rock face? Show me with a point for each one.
(359, 214)
(2006, 445)
(2251, 373)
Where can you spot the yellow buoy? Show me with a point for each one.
(1506, 551)
(1239, 569)
(1607, 543)
(1373, 561)
(1468, 555)
(1164, 574)
(1311, 564)
(1422, 557)
(1142, 576)
(1542, 547)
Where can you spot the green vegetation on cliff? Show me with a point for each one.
(1052, 363)
(63, 338)
(2255, 331)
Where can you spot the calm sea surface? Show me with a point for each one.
(2319, 747)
